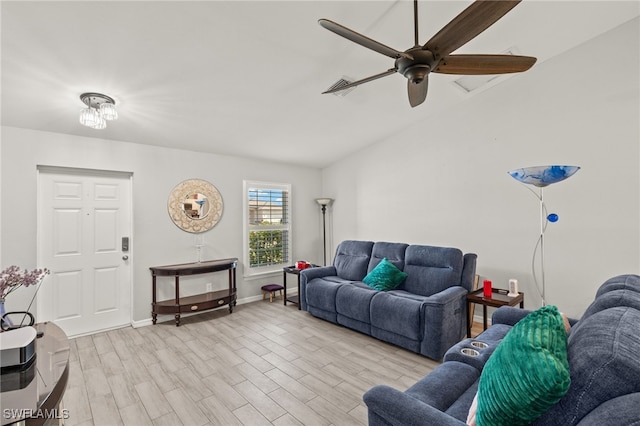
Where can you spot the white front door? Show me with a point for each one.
(83, 216)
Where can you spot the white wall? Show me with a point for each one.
(445, 181)
(156, 240)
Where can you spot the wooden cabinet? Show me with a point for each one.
(199, 302)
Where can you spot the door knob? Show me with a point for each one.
(125, 257)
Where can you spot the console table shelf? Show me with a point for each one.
(198, 302)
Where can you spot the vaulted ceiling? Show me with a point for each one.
(244, 78)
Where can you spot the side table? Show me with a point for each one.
(498, 298)
(292, 270)
(293, 299)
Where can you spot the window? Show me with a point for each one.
(267, 227)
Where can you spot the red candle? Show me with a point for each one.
(487, 288)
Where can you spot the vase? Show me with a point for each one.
(4, 322)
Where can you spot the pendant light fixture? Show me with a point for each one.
(100, 108)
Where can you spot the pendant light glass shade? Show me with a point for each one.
(89, 117)
(100, 108)
(101, 124)
(108, 111)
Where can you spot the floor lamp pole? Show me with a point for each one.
(541, 176)
(324, 234)
(324, 202)
(542, 228)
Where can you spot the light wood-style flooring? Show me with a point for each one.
(265, 364)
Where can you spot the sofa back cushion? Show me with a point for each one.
(612, 299)
(431, 269)
(393, 252)
(621, 282)
(604, 355)
(352, 259)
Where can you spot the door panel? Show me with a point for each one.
(67, 299)
(67, 229)
(82, 218)
(106, 290)
(105, 231)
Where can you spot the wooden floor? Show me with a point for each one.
(265, 364)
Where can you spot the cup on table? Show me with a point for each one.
(486, 286)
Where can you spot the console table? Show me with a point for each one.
(199, 302)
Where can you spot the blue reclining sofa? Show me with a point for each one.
(602, 353)
(426, 313)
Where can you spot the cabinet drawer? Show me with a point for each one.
(205, 304)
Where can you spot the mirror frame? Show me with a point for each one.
(180, 217)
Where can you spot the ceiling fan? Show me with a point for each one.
(435, 55)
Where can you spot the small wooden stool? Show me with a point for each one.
(271, 289)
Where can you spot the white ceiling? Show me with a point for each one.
(244, 78)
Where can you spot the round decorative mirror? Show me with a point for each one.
(195, 205)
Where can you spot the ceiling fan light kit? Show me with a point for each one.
(417, 62)
(100, 109)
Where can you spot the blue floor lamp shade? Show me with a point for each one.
(541, 176)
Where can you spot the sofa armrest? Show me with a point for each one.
(389, 406)
(307, 275)
(445, 321)
(508, 315)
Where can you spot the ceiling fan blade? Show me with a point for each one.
(364, 80)
(468, 24)
(362, 40)
(417, 91)
(484, 64)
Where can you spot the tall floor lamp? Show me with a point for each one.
(541, 176)
(324, 202)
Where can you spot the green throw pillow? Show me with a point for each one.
(527, 373)
(385, 276)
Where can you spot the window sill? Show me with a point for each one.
(259, 275)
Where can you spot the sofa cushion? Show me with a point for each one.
(399, 315)
(612, 299)
(622, 410)
(321, 297)
(385, 276)
(353, 301)
(431, 269)
(393, 252)
(352, 259)
(621, 282)
(527, 373)
(604, 358)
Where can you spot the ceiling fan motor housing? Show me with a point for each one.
(416, 69)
